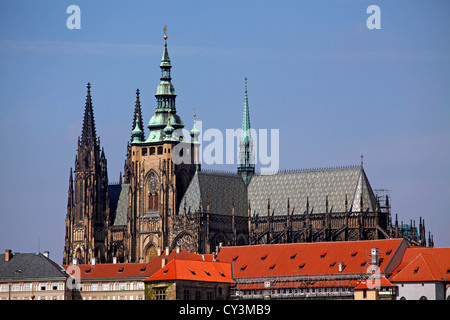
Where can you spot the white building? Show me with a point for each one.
(423, 274)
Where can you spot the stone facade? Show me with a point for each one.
(163, 199)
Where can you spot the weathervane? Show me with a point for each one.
(165, 34)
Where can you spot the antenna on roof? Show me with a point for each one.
(362, 160)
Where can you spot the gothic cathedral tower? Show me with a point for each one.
(87, 217)
(157, 179)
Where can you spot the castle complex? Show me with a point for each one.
(164, 202)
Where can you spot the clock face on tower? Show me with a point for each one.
(153, 185)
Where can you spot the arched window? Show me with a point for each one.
(153, 201)
(160, 150)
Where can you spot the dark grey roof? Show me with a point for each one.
(220, 190)
(314, 184)
(118, 203)
(30, 266)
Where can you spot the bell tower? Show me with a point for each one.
(157, 179)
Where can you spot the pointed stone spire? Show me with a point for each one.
(70, 193)
(88, 134)
(138, 114)
(246, 163)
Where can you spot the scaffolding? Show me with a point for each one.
(384, 199)
(326, 286)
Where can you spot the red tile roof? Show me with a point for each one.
(374, 283)
(194, 270)
(112, 270)
(423, 264)
(297, 259)
(134, 270)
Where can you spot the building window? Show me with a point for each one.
(43, 286)
(140, 286)
(122, 286)
(186, 295)
(198, 295)
(26, 287)
(105, 287)
(54, 286)
(153, 201)
(364, 294)
(15, 287)
(209, 295)
(160, 150)
(152, 151)
(161, 294)
(144, 151)
(94, 287)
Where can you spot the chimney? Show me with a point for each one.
(163, 262)
(93, 261)
(374, 254)
(46, 254)
(8, 255)
(158, 251)
(74, 261)
(167, 251)
(115, 260)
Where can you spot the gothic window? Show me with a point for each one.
(153, 187)
(153, 201)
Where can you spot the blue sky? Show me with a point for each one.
(334, 89)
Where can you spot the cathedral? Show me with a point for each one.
(163, 201)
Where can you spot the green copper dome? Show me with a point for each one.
(137, 133)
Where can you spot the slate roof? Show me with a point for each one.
(30, 266)
(221, 190)
(314, 184)
(118, 203)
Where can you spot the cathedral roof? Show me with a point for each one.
(309, 188)
(118, 203)
(220, 190)
(314, 187)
